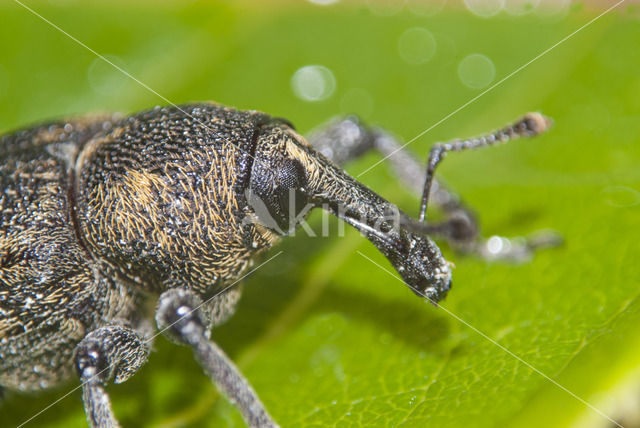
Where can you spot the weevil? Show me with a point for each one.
(101, 215)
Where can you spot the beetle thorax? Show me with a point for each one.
(166, 212)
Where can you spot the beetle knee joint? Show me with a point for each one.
(179, 317)
(111, 352)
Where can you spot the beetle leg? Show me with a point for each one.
(516, 249)
(111, 352)
(459, 227)
(530, 125)
(342, 139)
(348, 138)
(180, 318)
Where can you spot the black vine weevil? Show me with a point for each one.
(100, 214)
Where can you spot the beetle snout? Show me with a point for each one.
(424, 269)
(435, 292)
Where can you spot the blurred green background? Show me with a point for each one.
(325, 336)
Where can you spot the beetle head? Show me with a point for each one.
(421, 265)
(289, 177)
(278, 183)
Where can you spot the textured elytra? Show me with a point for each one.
(51, 293)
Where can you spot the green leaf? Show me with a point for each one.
(326, 337)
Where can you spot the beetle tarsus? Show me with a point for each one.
(529, 125)
(345, 139)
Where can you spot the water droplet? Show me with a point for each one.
(357, 101)
(104, 78)
(495, 245)
(416, 45)
(422, 8)
(484, 8)
(476, 71)
(313, 83)
(385, 7)
(323, 2)
(520, 7)
(385, 338)
(324, 359)
(557, 8)
(621, 196)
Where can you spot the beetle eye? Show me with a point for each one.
(290, 186)
(280, 189)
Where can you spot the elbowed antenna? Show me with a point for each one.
(530, 125)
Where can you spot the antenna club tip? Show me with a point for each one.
(537, 123)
